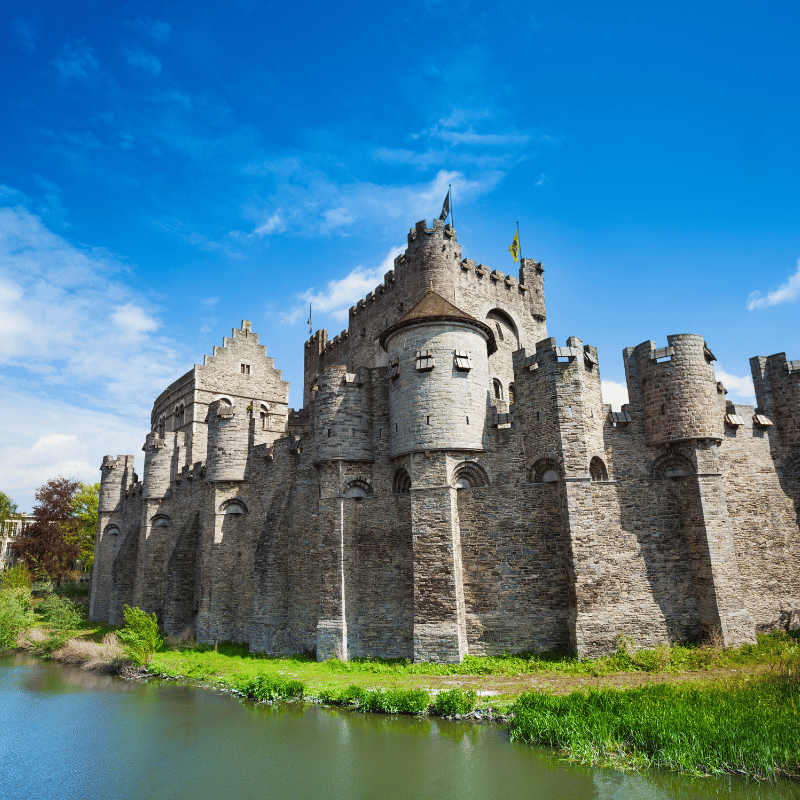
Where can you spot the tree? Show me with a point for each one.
(8, 508)
(47, 545)
(84, 512)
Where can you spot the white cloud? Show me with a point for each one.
(787, 292)
(741, 387)
(614, 393)
(158, 30)
(75, 61)
(309, 202)
(24, 36)
(143, 60)
(36, 448)
(336, 299)
(67, 321)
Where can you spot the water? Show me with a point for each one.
(66, 733)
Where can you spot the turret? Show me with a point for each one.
(558, 404)
(115, 477)
(777, 384)
(157, 466)
(439, 378)
(679, 392)
(228, 435)
(431, 259)
(531, 275)
(342, 430)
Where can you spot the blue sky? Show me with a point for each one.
(169, 169)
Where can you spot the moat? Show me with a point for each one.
(74, 734)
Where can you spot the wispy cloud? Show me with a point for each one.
(36, 448)
(156, 29)
(316, 204)
(143, 60)
(739, 386)
(75, 61)
(24, 36)
(69, 319)
(787, 292)
(335, 300)
(614, 393)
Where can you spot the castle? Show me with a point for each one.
(455, 485)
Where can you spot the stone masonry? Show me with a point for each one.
(455, 485)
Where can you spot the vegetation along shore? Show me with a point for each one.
(695, 709)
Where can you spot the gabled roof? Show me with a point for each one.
(434, 308)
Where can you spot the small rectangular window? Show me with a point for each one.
(394, 369)
(245, 369)
(425, 360)
(462, 361)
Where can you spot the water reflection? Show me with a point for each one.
(74, 734)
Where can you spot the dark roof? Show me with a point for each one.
(433, 307)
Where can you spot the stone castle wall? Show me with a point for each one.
(377, 521)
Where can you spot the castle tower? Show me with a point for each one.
(438, 399)
(559, 407)
(157, 466)
(342, 428)
(684, 417)
(777, 385)
(431, 259)
(115, 477)
(228, 435)
(678, 390)
(438, 378)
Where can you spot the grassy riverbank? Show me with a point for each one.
(693, 709)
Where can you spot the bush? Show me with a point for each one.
(62, 617)
(17, 577)
(272, 687)
(140, 637)
(454, 701)
(396, 701)
(73, 589)
(15, 615)
(41, 587)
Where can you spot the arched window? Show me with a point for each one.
(264, 412)
(160, 521)
(111, 530)
(469, 475)
(505, 330)
(162, 424)
(597, 469)
(182, 415)
(791, 467)
(512, 394)
(671, 465)
(358, 488)
(402, 482)
(545, 470)
(500, 336)
(233, 506)
(498, 389)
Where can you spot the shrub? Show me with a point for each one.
(18, 577)
(15, 615)
(272, 687)
(62, 617)
(73, 589)
(396, 701)
(454, 701)
(41, 587)
(140, 637)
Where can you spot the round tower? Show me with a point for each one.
(430, 260)
(157, 466)
(439, 378)
(342, 426)
(228, 437)
(679, 390)
(115, 475)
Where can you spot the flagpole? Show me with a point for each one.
(519, 243)
(452, 218)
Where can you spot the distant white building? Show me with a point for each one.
(11, 529)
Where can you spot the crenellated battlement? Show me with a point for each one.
(777, 383)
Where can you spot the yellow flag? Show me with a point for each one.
(514, 248)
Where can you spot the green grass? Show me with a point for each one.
(751, 727)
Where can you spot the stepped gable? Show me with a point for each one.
(433, 307)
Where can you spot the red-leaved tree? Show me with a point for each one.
(47, 545)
